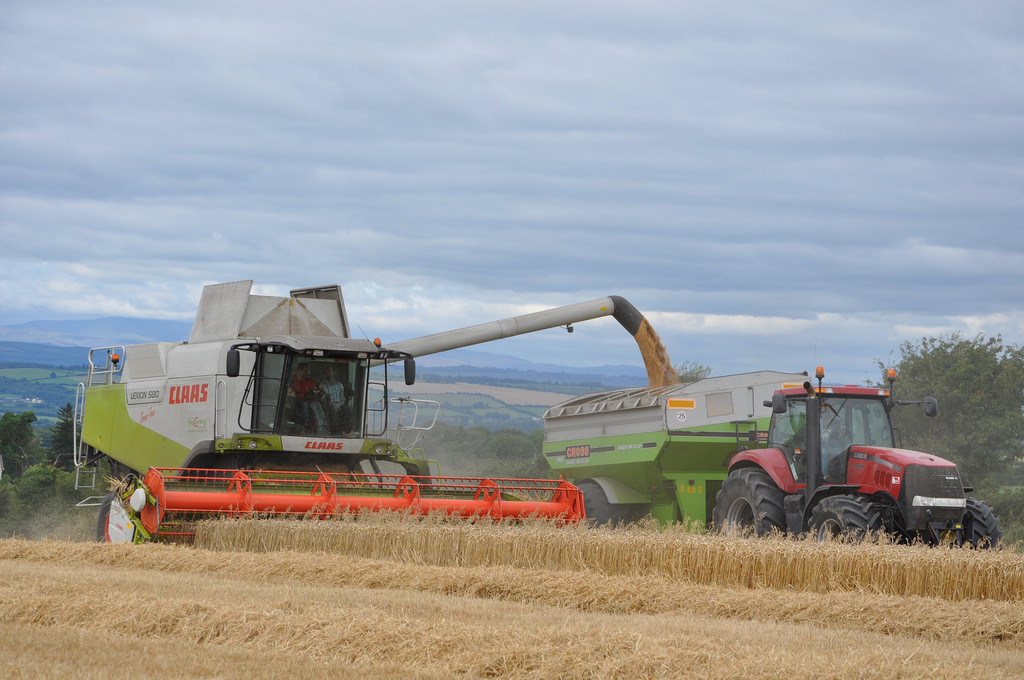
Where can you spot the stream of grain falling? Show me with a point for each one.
(659, 369)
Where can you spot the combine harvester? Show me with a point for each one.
(270, 408)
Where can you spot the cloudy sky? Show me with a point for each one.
(775, 185)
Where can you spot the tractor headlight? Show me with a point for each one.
(932, 502)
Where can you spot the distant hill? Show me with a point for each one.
(96, 332)
(487, 368)
(67, 343)
(42, 354)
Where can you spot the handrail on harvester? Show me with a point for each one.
(195, 493)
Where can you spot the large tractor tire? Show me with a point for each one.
(981, 527)
(749, 501)
(846, 518)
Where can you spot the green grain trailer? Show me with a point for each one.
(659, 450)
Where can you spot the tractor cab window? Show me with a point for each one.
(323, 396)
(845, 422)
(786, 431)
(849, 422)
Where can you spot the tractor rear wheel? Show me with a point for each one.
(981, 527)
(749, 501)
(843, 517)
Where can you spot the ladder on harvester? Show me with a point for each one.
(102, 372)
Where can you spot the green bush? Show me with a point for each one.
(1008, 505)
(41, 503)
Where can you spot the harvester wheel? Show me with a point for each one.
(981, 527)
(749, 501)
(843, 517)
(101, 522)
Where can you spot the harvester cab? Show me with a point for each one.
(833, 466)
(310, 395)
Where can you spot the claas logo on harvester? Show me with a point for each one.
(188, 394)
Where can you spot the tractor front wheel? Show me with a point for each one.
(847, 518)
(981, 527)
(749, 501)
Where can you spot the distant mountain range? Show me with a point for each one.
(112, 330)
(67, 343)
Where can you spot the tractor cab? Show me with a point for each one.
(848, 417)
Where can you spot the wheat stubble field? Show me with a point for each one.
(420, 599)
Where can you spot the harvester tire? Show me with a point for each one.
(981, 527)
(749, 501)
(101, 521)
(845, 518)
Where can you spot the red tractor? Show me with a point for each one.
(832, 467)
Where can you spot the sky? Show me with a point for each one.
(774, 185)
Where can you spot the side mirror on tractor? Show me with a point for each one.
(931, 406)
(778, 403)
(410, 371)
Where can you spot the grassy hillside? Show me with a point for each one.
(42, 390)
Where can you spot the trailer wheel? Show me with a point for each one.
(749, 501)
(981, 527)
(843, 517)
(599, 509)
(101, 522)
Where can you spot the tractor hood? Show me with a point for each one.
(898, 458)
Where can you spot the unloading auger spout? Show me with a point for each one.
(613, 305)
(659, 370)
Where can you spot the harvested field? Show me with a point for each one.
(422, 599)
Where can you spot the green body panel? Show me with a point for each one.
(677, 472)
(109, 428)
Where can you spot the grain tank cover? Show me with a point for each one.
(711, 401)
(228, 311)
